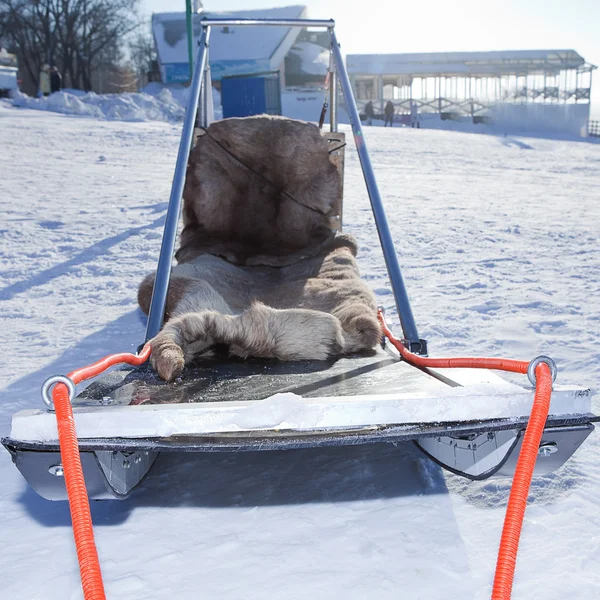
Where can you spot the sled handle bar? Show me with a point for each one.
(163, 273)
(328, 24)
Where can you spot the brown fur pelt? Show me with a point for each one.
(259, 269)
(270, 206)
(314, 309)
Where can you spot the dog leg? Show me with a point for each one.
(260, 331)
(186, 294)
(180, 340)
(289, 334)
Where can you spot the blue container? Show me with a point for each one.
(243, 96)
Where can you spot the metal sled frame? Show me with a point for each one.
(226, 406)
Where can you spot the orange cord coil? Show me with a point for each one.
(517, 501)
(91, 575)
(79, 505)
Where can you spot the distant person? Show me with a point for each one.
(369, 112)
(389, 114)
(414, 115)
(45, 81)
(55, 79)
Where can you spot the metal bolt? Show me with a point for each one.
(548, 449)
(56, 470)
(126, 464)
(137, 459)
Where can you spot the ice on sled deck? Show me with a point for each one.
(469, 421)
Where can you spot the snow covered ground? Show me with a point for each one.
(498, 238)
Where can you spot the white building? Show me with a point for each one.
(533, 89)
(242, 50)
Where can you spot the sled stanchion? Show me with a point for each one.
(163, 271)
(409, 327)
(333, 111)
(545, 372)
(208, 115)
(333, 91)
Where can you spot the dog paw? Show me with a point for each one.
(361, 332)
(167, 359)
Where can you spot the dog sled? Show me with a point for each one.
(469, 421)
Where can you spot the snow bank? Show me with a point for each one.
(158, 102)
(180, 94)
(155, 102)
(115, 107)
(314, 59)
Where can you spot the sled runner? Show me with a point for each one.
(126, 418)
(470, 422)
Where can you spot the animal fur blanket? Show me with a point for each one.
(259, 269)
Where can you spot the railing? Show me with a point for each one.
(594, 128)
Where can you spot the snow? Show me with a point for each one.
(249, 43)
(155, 102)
(159, 102)
(498, 238)
(314, 58)
(115, 107)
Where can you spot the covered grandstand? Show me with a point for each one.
(547, 89)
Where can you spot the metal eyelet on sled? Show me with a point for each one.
(535, 362)
(51, 381)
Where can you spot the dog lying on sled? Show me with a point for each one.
(259, 268)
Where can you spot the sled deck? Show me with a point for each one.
(469, 421)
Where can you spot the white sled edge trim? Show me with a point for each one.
(289, 412)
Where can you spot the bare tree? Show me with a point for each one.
(79, 36)
(142, 51)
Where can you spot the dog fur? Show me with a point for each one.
(259, 269)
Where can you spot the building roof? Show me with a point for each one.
(233, 49)
(504, 62)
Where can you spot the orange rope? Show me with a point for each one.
(91, 576)
(517, 501)
(79, 505)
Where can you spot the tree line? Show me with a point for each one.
(84, 39)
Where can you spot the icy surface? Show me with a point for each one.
(498, 238)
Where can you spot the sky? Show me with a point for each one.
(442, 26)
